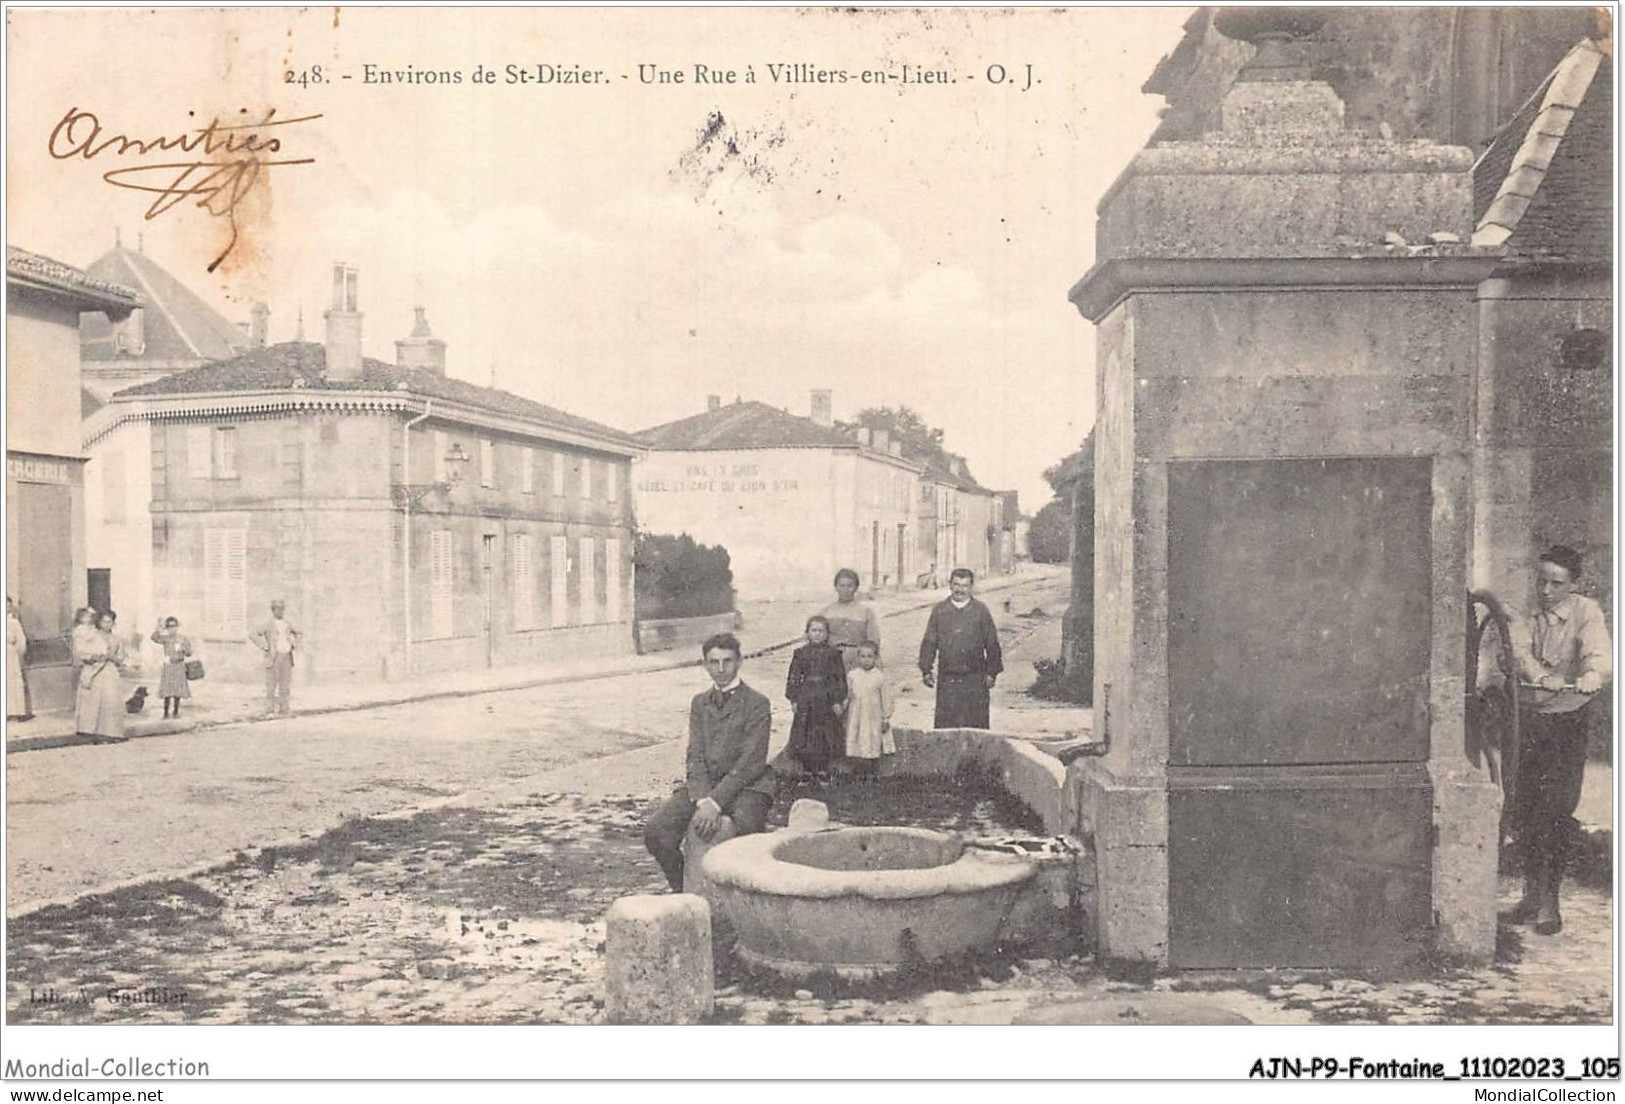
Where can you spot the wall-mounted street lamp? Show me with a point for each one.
(408, 496)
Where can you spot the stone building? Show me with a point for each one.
(792, 499)
(172, 330)
(45, 506)
(413, 522)
(961, 522)
(1543, 196)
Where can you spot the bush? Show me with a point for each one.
(1049, 540)
(1054, 684)
(676, 577)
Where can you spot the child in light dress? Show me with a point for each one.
(868, 713)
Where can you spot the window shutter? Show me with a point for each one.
(612, 578)
(214, 582)
(225, 583)
(558, 554)
(225, 453)
(612, 482)
(236, 583)
(527, 470)
(589, 583)
(524, 583)
(440, 583)
(488, 463)
(585, 465)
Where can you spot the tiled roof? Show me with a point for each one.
(1544, 188)
(938, 470)
(743, 425)
(178, 325)
(42, 271)
(278, 367)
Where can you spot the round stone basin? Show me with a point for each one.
(859, 901)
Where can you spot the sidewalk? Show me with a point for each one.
(768, 627)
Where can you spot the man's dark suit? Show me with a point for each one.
(727, 762)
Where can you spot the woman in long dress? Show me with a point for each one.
(100, 656)
(851, 622)
(172, 681)
(817, 692)
(16, 685)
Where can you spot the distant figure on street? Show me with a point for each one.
(100, 657)
(17, 707)
(277, 638)
(962, 644)
(851, 622)
(1565, 656)
(728, 788)
(868, 713)
(172, 682)
(817, 692)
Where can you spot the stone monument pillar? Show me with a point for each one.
(1285, 351)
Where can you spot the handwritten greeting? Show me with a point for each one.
(222, 163)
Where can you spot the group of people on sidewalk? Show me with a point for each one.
(842, 705)
(101, 661)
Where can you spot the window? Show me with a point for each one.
(441, 595)
(225, 452)
(589, 583)
(113, 487)
(612, 577)
(524, 583)
(558, 555)
(488, 463)
(527, 470)
(557, 460)
(224, 592)
(612, 481)
(197, 452)
(584, 466)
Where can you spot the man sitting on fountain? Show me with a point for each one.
(728, 790)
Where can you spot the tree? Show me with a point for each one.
(1049, 540)
(1073, 480)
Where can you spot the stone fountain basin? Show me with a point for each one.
(860, 902)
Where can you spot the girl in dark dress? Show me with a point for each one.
(817, 691)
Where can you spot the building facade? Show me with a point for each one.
(792, 499)
(45, 501)
(412, 522)
(961, 523)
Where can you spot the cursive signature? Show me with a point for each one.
(227, 160)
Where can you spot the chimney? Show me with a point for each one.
(259, 325)
(343, 327)
(421, 348)
(883, 440)
(713, 403)
(897, 448)
(865, 437)
(956, 464)
(823, 407)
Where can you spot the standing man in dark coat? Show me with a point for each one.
(962, 644)
(727, 782)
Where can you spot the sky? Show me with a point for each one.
(623, 249)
